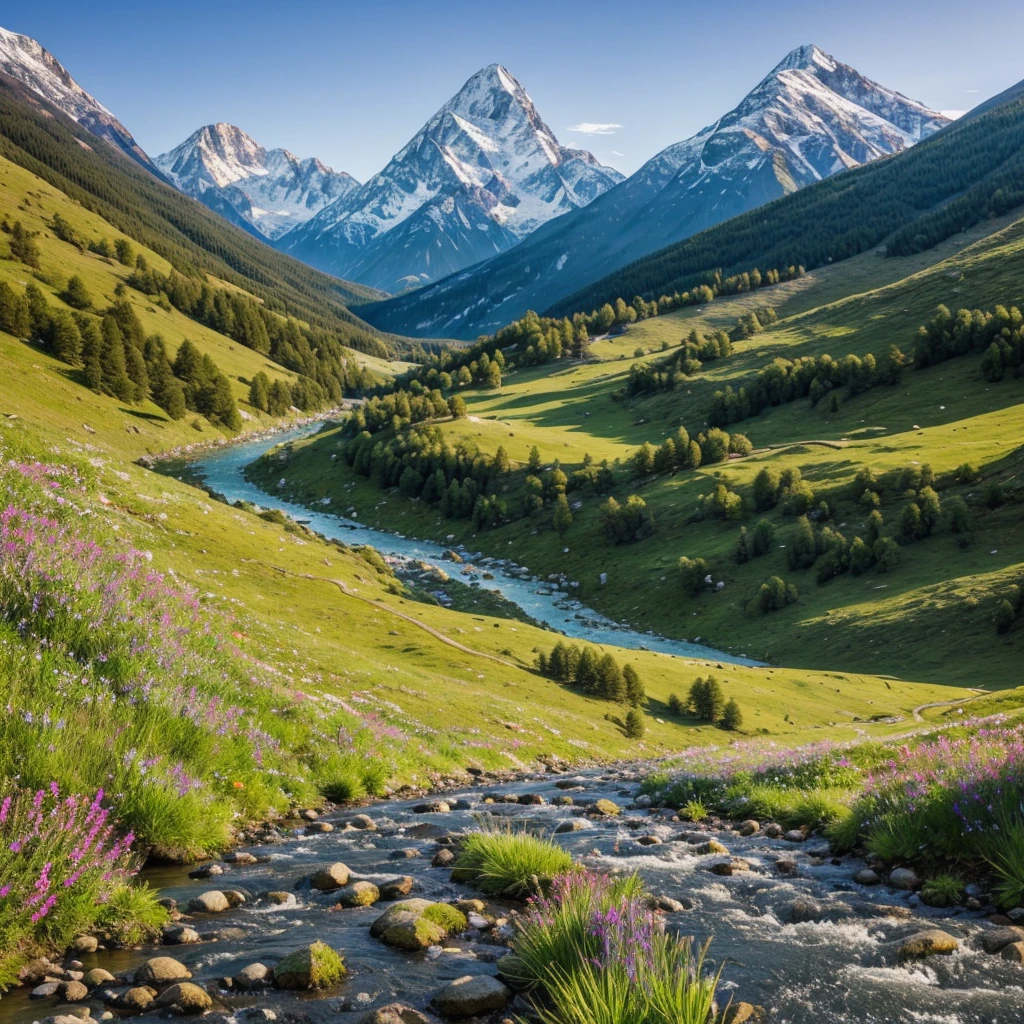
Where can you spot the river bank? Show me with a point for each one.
(796, 931)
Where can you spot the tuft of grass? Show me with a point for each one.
(693, 810)
(594, 948)
(943, 891)
(1007, 861)
(513, 864)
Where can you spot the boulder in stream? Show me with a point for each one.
(334, 876)
(161, 970)
(417, 923)
(358, 894)
(471, 996)
(185, 998)
(211, 902)
(930, 942)
(312, 966)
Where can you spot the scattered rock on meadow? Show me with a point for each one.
(312, 966)
(161, 970)
(930, 942)
(471, 996)
(210, 902)
(358, 894)
(334, 876)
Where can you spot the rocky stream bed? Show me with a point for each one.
(806, 937)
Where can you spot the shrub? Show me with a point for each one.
(722, 503)
(1005, 616)
(992, 496)
(675, 705)
(764, 538)
(623, 524)
(776, 593)
(887, 553)
(693, 574)
(966, 473)
(512, 863)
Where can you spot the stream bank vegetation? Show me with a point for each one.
(947, 801)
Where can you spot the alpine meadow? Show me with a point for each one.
(534, 582)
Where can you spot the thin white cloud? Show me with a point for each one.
(592, 128)
(972, 90)
(615, 152)
(952, 114)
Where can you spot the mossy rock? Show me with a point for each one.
(606, 807)
(312, 966)
(417, 923)
(931, 942)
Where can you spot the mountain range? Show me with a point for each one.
(810, 118)
(483, 214)
(267, 191)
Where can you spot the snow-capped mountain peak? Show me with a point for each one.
(809, 118)
(28, 62)
(482, 173)
(271, 191)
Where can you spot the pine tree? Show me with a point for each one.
(562, 518)
(66, 339)
(76, 295)
(586, 675)
(635, 727)
(115, 375)
(259, 392)
(635, 694)
(611, 684)
(15, 316)
(534, 463)
(38, 311)
(92, 355)
(135, 366)
(732, 717)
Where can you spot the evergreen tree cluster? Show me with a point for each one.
(593, 673)
(999, 334)
(329, 370)
(626, 523)
(666, 374)
(682, 452)
(775, 593)
(116, 357)
(787, 380)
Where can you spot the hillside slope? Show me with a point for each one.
(933, 614)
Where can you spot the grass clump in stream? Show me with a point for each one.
(513, 864)
(593, 948)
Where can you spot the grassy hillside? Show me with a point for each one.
(186, 234)
(930, 617)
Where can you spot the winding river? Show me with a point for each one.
(222, 469)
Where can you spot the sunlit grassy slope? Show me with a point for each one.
(932, 617)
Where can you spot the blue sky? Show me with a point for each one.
(352, 82)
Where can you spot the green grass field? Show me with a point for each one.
(930, 618)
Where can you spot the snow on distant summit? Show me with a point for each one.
(270, 191)
(482, 173)
(809, 118)
(26, 61)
